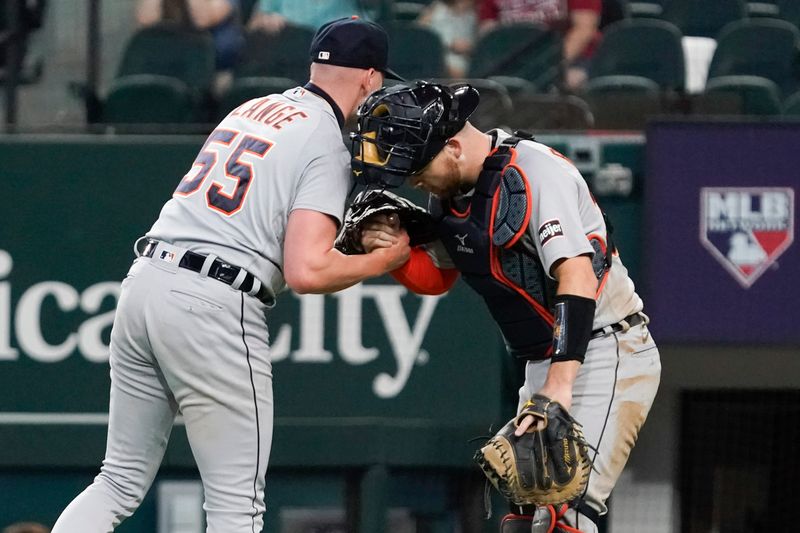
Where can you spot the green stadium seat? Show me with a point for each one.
(646, 8)
(763, 8)
(407, 11)
(647, 48)
(525, 51)
(623, 102)
(284, 54)
(165, 76)
(415, 52)
(538, 112)
(740, 95)
(703, 18)
(514, 84)
(149, 99)
(791, 106)
(759, 47)
(789, 10)
(168, 49)
(244, 89)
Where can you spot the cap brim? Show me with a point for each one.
(392, 75)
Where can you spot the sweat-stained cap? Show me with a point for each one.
(353, 42)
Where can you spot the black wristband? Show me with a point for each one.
(572, 327)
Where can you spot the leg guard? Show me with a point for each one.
(547, 519)
(529, 519)
(516, 523)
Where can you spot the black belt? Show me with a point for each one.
(632, 320)
(219, 270)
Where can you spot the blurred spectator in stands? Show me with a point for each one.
(613, 11)
(31, 16)
(578, 20)
(456, 23)
(272, 15)
(26, 527)
(220, 17)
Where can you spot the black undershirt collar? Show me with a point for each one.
(325, 96)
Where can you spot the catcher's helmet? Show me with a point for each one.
(402, 128)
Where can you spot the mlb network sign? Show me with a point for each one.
(746, 229)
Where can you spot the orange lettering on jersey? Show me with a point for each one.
(267, 110)
(278, 114)
(255, 107)
(289, 118)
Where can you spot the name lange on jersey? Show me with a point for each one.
(549, 230)
(269, 112)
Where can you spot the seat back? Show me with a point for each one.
(791, 106)
(284, 54)
(742, 95)
(703, 18)
(149, 99)
(789, 10)
(415, 51)
(758, 47)
(623, 102)
(168, 49)
(526, 51)
(537, 112)
(643, 47)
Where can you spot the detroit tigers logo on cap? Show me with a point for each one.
(746, 229)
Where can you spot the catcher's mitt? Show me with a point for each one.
(549, 466)
(415, 220)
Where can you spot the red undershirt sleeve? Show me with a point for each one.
(421, 276)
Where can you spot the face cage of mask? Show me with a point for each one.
(401, 144)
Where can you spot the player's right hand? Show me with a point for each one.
(396, 254)
(381, 231)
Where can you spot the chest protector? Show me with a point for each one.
(489, 243)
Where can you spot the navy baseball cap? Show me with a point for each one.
(353, 42)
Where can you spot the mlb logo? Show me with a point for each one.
(746, 228)
(324, 56)
(167, 256)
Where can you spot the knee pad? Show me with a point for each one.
(516, 523)
(547, 519)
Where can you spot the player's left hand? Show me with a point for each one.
(561, 394)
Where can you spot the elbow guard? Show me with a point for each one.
(572, 327)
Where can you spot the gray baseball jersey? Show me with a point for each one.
(184, 342)
(268, 157)
(564, 215)
(617, 382)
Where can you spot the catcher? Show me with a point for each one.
(516, 220)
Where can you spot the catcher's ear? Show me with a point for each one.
(454, 148)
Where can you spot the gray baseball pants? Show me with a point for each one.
(183, 344)
(612, 395)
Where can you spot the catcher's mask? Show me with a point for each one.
(403, 127)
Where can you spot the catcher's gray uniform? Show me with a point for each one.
(617, 382)
(184, 342)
